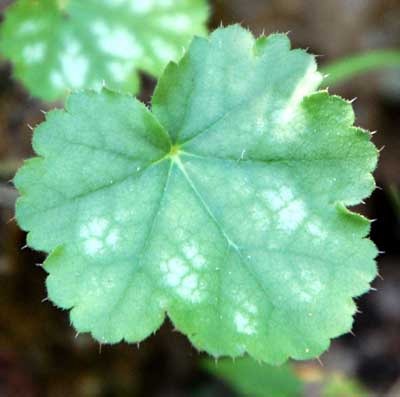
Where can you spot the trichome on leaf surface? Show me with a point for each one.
(224, 206)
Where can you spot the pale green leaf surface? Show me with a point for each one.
(250, 378)
(58, 45)
(223, 207)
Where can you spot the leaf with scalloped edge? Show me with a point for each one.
(58, 45)
(224, 206)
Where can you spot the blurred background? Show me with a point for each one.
(39, 353)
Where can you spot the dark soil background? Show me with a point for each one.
(39, 353)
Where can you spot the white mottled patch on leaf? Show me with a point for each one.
(311, 281)
(286, 194)
(283, 115)
(178, 22)
(28, 27)
(142, 6)
(189, 288)
(184, 280)
(93, 246)
(316, 230)
(303, 287)
(190, 251)
(194, 257)
(95, 227)
(245, 314)
(119, 71)
(163, 50)
(304, 296)
(260, 216)
(112, 238)
(124, 215)
(199, 262)
(116, 41)
(56, 79)
(290, 217)
(243, 323)
(173, 279)
(177, 266)
(175, 269)
(34, 52)
(279, 198)
(74, 65)
(98, 237)
(250, 307)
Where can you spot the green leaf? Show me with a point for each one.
(355, 65)
(57, 45)
(250, 378)
(223, 206)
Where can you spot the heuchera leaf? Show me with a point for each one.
(250, 378)
(57, 45)
(223, 206)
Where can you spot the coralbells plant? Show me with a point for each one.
(62, 45)
(223, 206)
